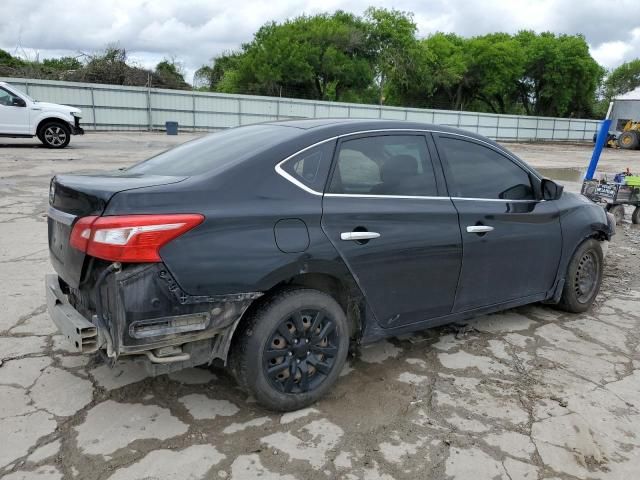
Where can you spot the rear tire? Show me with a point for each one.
(290, 351)
(629, 140)
(635, 216)
(584, 277)
(54, 134)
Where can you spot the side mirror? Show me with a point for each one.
(18, 102)
(550, 189)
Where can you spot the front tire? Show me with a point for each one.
(629, 140)
(54, 134)
(584, 277)
(291, 350)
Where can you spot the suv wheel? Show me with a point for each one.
(290, 351)
(54, 135)
(584, 277)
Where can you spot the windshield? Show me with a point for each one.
(215, 152)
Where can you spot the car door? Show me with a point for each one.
(394, 226)
(14, 115)
(511, 239)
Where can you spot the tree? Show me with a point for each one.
(170, 74)
(494, 65)
(323, 57)
(560, 76)
(623, 79)
(394, 46)
(210, 77)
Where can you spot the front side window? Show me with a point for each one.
(8, 99)
(384, 165)
(476, 171)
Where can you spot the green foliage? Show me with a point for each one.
(170, 73)
(320, 57)
(560, 77)
(9, 61)
(623, 79)
(392, 41)
(210, 77)
(62, 63)
(377, 58)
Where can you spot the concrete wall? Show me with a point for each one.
(114, 107)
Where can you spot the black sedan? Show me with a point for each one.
(272, 247)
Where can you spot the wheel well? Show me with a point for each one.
(43, 122)
(599, 235)
(346, 295)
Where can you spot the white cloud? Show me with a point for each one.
(196, 30)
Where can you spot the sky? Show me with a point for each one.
(194, 31)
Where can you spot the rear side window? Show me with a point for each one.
(311, 166)
(476, 171)
(384, 165)
(215, 152)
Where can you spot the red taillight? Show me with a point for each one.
(130, 238)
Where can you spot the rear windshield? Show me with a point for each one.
(215, 152)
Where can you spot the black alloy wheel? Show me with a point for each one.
(301, 352)
(291, 348)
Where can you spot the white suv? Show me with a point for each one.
(21, 116)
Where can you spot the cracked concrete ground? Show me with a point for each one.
(531, 393)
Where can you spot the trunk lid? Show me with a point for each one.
(74, 196)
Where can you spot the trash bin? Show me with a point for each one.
(172, 128)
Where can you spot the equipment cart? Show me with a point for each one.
(615, 195)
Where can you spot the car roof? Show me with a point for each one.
(344, 126)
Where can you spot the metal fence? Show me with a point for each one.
(115, 107)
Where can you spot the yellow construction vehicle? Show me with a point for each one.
(629, 139)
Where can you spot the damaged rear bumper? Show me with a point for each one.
(142, 311)
(81, 333)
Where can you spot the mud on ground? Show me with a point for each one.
(531, 393)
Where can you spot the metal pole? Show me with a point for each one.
(193, 106)
(149, 119)
(93, 108)
(601, 139)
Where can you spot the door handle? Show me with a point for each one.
(358, 236)
(479, 229)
